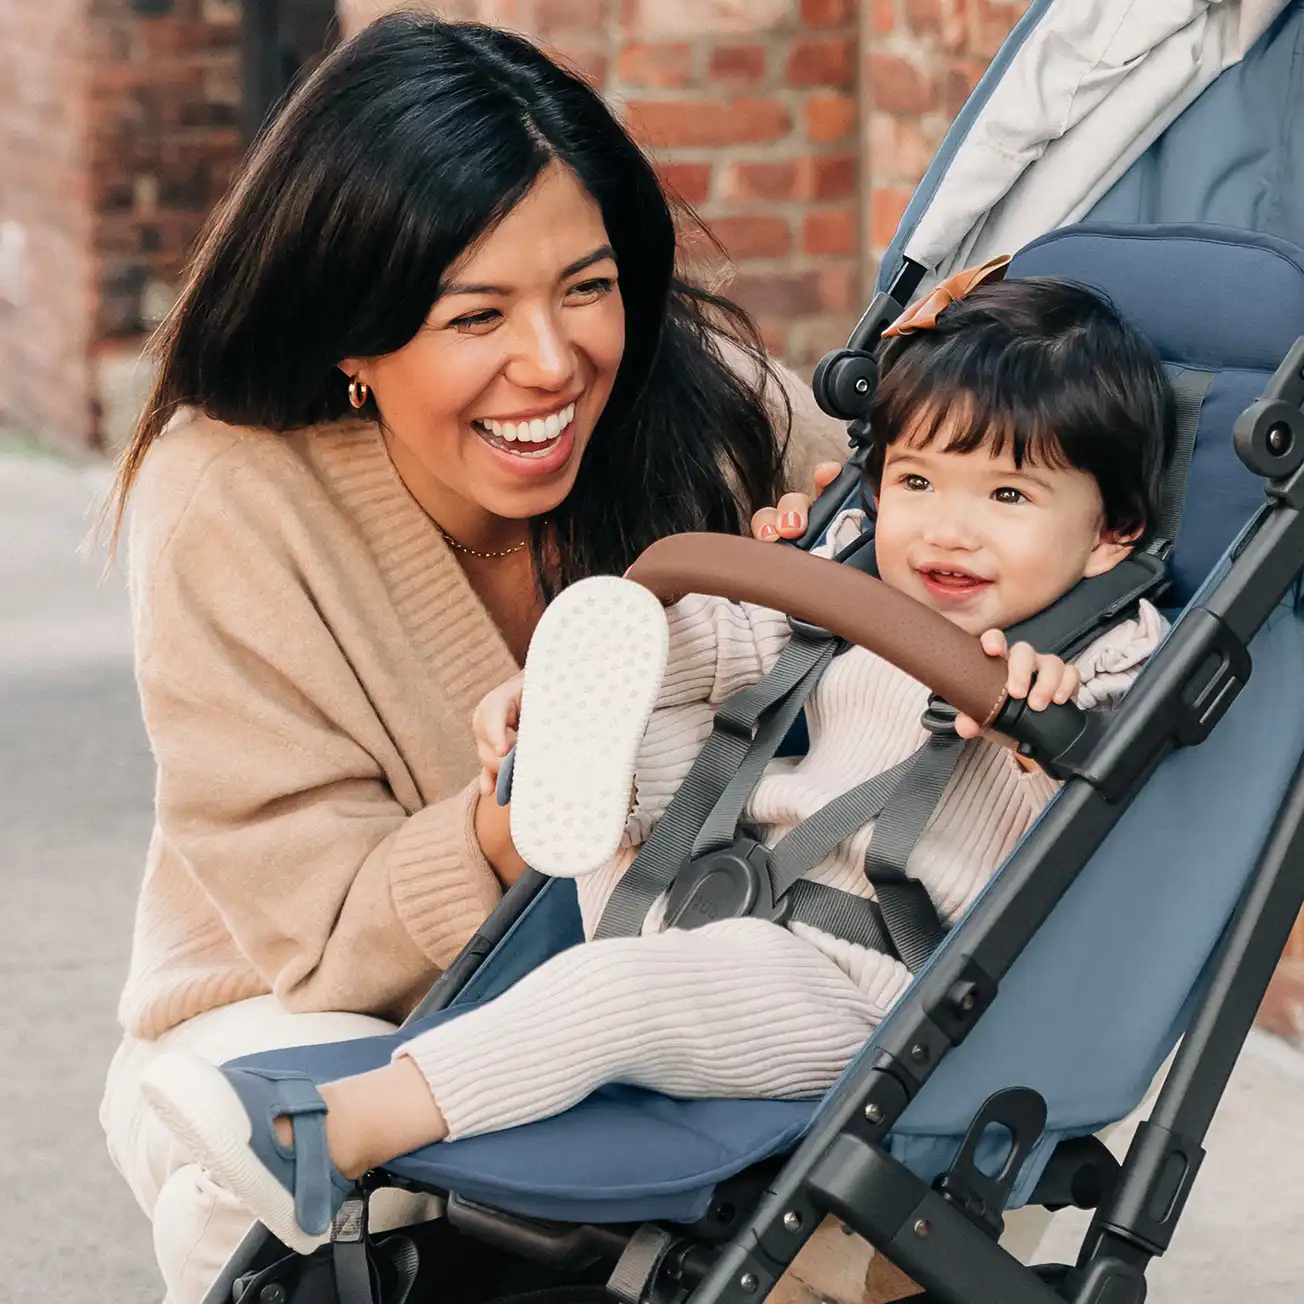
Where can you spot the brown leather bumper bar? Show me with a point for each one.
(856, 607)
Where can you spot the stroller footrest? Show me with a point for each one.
(918, 1229)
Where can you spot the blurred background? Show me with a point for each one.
(796, 128)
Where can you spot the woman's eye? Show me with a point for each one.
(915, 483)
(476, 321)
(1007, 495)
(590, 291)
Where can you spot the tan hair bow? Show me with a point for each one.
(922, 316)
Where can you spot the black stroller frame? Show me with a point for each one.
(944, 1236)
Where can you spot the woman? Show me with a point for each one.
(431, 365)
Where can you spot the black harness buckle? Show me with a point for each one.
(731, 883)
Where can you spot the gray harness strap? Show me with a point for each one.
(734, 739)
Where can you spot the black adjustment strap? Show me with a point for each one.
(1190, 386)
(349, 1252)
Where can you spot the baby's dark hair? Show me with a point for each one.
(1045, 368)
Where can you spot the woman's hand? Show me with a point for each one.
(787, 520)
(495, 722)
(1038, 676)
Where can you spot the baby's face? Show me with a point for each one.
(983, 542)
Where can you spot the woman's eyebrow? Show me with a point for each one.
(596, 256)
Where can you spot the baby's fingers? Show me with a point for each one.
(1022, 664)
(966, 726)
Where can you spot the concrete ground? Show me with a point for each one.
(75, 790)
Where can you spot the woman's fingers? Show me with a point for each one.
(765, 525)
(793, 510)
(788, 518)
(825, 474)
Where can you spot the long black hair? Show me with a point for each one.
(406, 144)
(1047, 369)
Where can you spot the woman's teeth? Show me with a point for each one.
(538, 431)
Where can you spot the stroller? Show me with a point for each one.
(1150, 902)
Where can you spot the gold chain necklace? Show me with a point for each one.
(483, 556)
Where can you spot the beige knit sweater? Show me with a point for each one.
(741, 1007)
(309, 654)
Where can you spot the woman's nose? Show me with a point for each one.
(544, 357)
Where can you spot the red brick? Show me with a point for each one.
(830, 231)
(883, 16)
(958, 82)
(662, 64)
(690, 181)
(582, 56)
(941, 20)
(741, 64)
(773, 182)
(577, 15)
(668, 124)
(898, 86)
(990, 22)
(839, 288)
(886, 205)
(827, 13)
(822, 62)
(778, 294)
(753, 236)
(830, 117)
(900, 149)
(836, 176)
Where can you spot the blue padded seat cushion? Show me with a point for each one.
(622, 1155)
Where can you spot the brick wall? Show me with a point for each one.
(796, 128)
(164, 138)
(45, 270)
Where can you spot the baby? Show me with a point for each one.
(1021, 430)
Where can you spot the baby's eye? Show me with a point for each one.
(1007, 495)
(915, 483)
(476, 323)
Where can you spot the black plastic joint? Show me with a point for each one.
(1146, 1213)
(954, 993)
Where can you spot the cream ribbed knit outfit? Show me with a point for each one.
(743, 1007)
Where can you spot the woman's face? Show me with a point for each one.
(488, 410)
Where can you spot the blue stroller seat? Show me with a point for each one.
(1125, 953)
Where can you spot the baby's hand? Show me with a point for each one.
(1055, 680)
(495, 722)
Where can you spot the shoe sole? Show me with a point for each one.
(196, 1103)
(592, 676)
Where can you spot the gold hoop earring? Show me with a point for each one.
(358, 392)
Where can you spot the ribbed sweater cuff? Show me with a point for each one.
(442, 885)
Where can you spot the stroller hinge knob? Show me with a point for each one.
(749, 1281)
(792, 1220)
(923, 1228)
(874, 1112)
